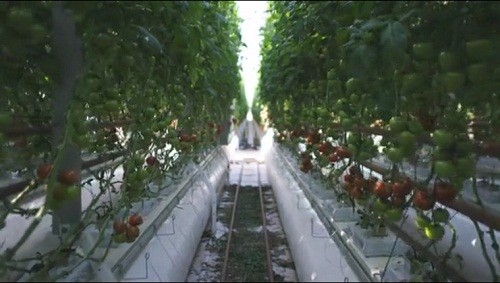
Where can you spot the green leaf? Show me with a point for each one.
(361, 59)
(212, 91)
(408, 15)
(394, 36)
(221, 17)
(372, 24)
(150, 40)
(193, 74)
(394, 40)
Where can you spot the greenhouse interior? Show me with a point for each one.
(249, 141)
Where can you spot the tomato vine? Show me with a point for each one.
(335, 73)
(157, 81)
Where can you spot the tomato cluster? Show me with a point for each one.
(127, 231)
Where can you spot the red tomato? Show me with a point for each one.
(43, 171)
(135, 220)
(151, 160)
(132, 232)
(119, 226)
(444, 192)
(69, 177)
(423, 200)
(382, 189)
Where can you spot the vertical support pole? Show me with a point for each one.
(67, 50)
(224, 137)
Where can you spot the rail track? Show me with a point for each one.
(236, 248)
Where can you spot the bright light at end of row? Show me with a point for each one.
(249, 116)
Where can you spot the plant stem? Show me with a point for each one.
(480, 234)
(494, 244)
(453, 243)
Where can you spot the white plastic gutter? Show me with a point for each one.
(317, 257)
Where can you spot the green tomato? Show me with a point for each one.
(422, 221)
(440, 215)
(406, 139)
(444, 169)
(72, 192)
(448, 61)
(354, 98)
(441, 154)
(354, 138)
(343, 114)
(4, 119)
(347, 123)
(379, 206)
(120, 238)
(330, 75)
(423, 50)
(38, 33)
(443, 138)
(367, 142)
(112, 105)
(465, 167)
(20, 19)
(397, 124)
(395, 154)
(415, 127)
(320, 111)
(478, 50)
(411, 82)
(82, 140)
(434, 232)
(478, 73)
(353, 85)
(352, 149)
(454, 81)
(394, 214)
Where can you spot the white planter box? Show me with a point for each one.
(399, 270)
(345, 214)
(376, 246)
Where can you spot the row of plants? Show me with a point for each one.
(153, 81)
(420, 74)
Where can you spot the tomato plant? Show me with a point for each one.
(131, 96)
